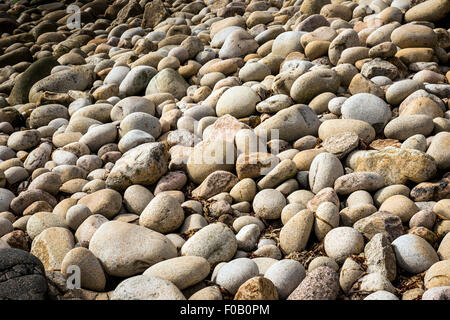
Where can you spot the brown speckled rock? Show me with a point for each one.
(431, 191)
(397, 166)
(320, 284)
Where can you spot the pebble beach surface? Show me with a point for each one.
(217, 150)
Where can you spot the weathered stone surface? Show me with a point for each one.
(195, 145)
(130, 9)
(313, 83)
(76, 78)
(334, 126)
(210, 156)
(92, 275)
(295, 234)
(397, 166)
(217, 182)
(438, 275)
(380, 222)
(23, 276)
(350, 272)
(443, 250)
(154, 13)
(235, 273)
(341, 242)
(143, 165)
(320, 284)
(431, 10)
(162, 214)
(239, 102)
(20, 203)
(369, 181)
(283, 171)
(106, 202)
(323, 172)
(439, 149)
(51, 246)
(257, 288)
(40, 221)
(255, 164)
(437, 293)
(341, 144)
(380, 256)
(401, 206)
(431, 191)
(372, 282)
(167, 81)
(286, 275)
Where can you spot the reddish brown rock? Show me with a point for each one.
(17, 239)
(174, 180)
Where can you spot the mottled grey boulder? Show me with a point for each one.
(22, 276)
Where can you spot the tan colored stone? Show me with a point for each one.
(257, 288)
(397, 166)
(438, 275)
(51, 246)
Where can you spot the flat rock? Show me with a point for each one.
(114, 244)
(369, 181)
(145, 287)
(397, 166)
(215, 183)
(183, 271)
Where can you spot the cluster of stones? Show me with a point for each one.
(202, 149)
